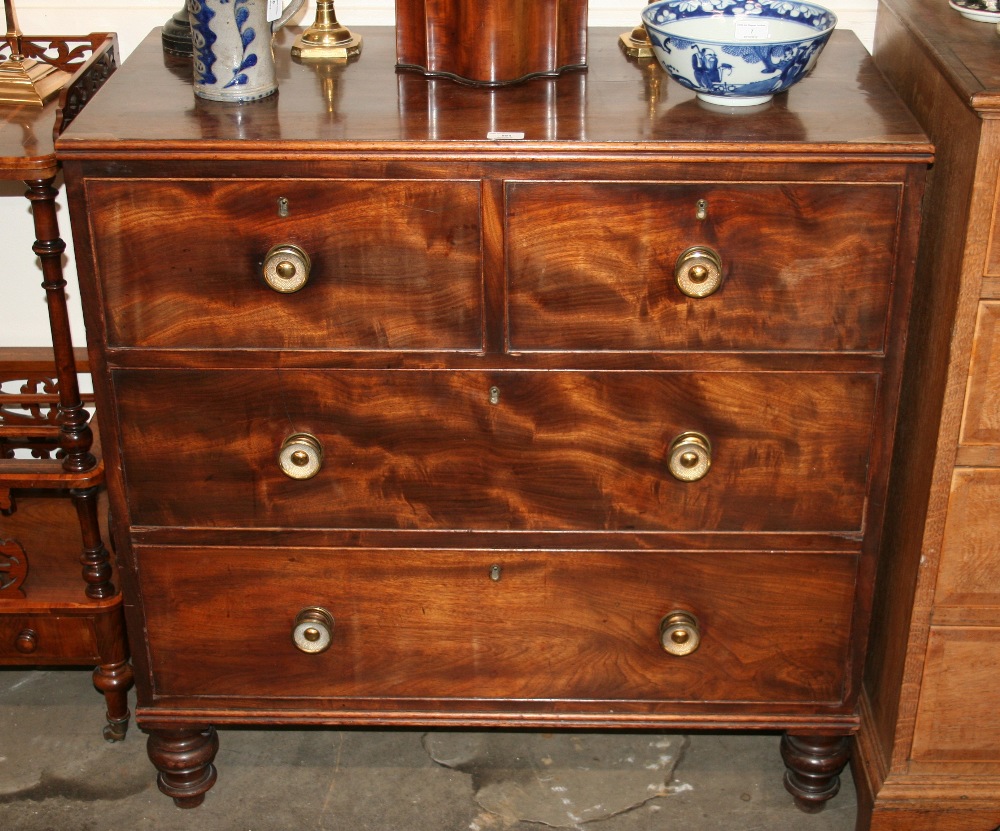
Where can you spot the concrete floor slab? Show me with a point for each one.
(56, 772)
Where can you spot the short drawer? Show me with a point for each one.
(959, 696)
(969, 572)
(804, 266)
(981, 419)
(482, 625)
(511, 450)
(47, 639)
(394, 264)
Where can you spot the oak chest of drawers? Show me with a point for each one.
(412, 421)
(929, 747)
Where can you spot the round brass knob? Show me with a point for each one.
(27, 641)
(690, 457)
(679, 633)
(286, 268)
(301, 456)
(698, 271)
(313, 630)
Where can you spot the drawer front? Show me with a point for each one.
(394, 264)
(55, 639)
(981, 420)
(449, 625)
(591, 265)
(959, 697)
(559, 450)
(969, 573)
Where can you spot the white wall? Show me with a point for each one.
(23, 320)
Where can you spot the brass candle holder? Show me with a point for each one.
(24, 80)
(326, 39)
(636, 43)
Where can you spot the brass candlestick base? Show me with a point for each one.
(26, 81)
(326, 39)
(636, 43)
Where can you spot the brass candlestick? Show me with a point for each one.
(636, 43)
(326, 39)
(24, 80)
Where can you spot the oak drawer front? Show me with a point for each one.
(559, 450)
(591, 265)
(969, 571)
(394, 264)
(981, 420)
(959, 696)
(478, 624)
(54, 639)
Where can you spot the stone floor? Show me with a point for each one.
(56, 772)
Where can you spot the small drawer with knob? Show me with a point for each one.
(290, 263)
(508, 450)
(397, 626)
(47, 639)
(600, 266)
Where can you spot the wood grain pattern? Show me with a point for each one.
(560, 451)
(432, 624)
(778, 291)
(370, 243)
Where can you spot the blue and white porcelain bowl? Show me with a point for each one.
(737, 53)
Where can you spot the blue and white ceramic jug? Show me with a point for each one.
(233, 58)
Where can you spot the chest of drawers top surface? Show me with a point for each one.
(148, 107)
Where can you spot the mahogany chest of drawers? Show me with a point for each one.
(412, 420)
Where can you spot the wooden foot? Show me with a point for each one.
(813, 767)
(184, 760)
(114, 681)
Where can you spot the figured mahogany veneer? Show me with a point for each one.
(497, 392)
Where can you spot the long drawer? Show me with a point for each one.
(514, 450)
(497, 625)
(591, 265)
(394, 264)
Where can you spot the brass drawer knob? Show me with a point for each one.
(698, 271)
(286, 268)
(679, 633)
(301, 456)
(313, 630)
(27, 641)
(690, 456)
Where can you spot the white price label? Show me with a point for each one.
(751, 30)
(273, 10)
(497, 135)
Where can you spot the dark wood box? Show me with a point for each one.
(491, 42)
